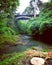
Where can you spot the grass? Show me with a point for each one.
(12, 58)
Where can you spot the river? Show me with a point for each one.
(26, 43)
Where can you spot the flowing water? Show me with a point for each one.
(25, 43)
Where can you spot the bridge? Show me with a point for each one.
(23, 17)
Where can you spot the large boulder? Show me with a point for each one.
(37, 61)
(48, 61)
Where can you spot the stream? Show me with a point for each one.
(26, 43)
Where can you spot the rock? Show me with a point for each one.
(48, 61)
(36, 53)
(30, 52)
(37, 61)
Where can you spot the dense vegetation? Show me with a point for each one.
(7, 10)
(39, 25)
(18, 58)
(9, 33)
(11, 59)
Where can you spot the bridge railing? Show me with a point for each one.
(23, 17)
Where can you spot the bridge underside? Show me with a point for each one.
(24, 15)
(23, 19)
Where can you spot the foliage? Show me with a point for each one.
(21, 58)
(22, 26)
(7, 32)
(40, 23)
(12, 58)
(8, 6)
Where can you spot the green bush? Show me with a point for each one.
(7, 32)
(12, 58)
(38, 24)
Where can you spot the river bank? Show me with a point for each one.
(24, 43)
(17, 54)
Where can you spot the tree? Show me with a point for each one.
(8, 5)
(7, 8)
